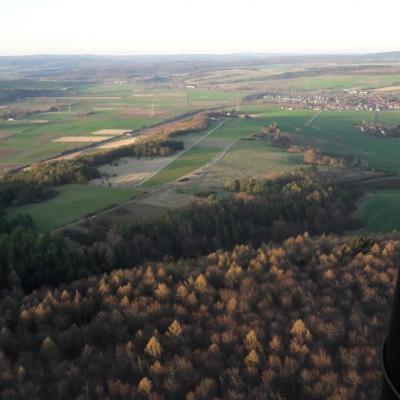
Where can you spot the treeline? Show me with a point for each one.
(12, 95)
(18, 193)
(313, 157)
(301, 321)
(270, 210)
(31, 184)
(196, 123)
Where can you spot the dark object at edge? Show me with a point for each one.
(391, 352)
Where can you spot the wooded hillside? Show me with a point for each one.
(304, 320)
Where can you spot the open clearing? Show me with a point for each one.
(380, 211)
(389, 89)
(72, 203)
(83, 139)
(111, 132)
(119, 143)
(136, 211)
(168, 198)
(5, 135)
(245, 159)
(128, 172)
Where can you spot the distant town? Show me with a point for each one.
(349, 99)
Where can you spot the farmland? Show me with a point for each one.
(53, 116)
(71, 203)
(334, 132)
(380, 211)
(86, 110)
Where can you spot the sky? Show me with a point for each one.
(198, 26)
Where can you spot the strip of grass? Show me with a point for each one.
(380, 211)
(72, 203)
(185, 164)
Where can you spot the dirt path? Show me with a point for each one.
(314, 117)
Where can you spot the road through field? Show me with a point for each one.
(314, 117)
(180, 154)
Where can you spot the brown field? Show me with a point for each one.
(119, 143)
(4, 135)
(38, 121)
(216, 142)
(111, 132)
(136, 211)
(6, 152)
(142, 95)
(70, 156)
(138, 111)
(388, 89)
(167, 198)
(130, 171)
(92, 97)
(7, 166)
(83, 139)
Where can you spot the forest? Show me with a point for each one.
(304, 319)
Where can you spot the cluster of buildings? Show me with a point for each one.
(356, 100)
(381, 130)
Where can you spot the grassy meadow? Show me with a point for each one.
(71, 203)
(380, 211)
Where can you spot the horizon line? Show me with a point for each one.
(172, 54)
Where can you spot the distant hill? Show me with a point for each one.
(83, 67)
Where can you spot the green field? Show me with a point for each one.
(231, 131)
(93, 107)
(334, 132)
(188, 162)
(72, 203)
(113, 105)
(344, 81)
(380, 211)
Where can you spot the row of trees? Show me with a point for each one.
(304, 320)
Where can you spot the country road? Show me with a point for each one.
(314, 117)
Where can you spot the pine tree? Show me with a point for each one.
(175, 328)
(153, 347)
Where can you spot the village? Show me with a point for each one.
(348, 99)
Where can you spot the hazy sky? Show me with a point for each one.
(201, 26)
